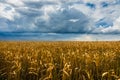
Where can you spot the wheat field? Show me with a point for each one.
(29, 60)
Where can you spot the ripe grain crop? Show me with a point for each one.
(24, 60)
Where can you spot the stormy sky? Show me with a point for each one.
(60, 20)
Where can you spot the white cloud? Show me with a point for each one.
(7, 11)
(73, 20)
(83, 8)
(113, 29)
(48, 10)
(98, 1)
(111, 11)
(84, 37)
(95, 37)
(15, 2)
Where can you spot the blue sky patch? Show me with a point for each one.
(104, 4)
(91, 5)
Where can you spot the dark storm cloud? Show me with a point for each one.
(65, 21)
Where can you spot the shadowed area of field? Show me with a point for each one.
(29, 60)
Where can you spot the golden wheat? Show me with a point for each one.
(59, 60)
